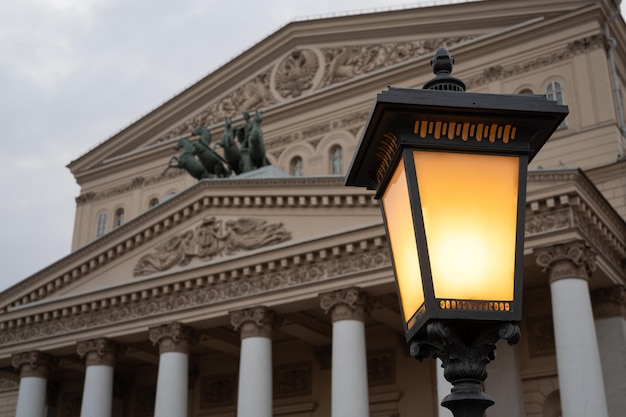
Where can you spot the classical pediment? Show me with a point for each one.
(212, 223)
(308, 58)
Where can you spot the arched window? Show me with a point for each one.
(336, 160)
(554, 91)
(153, 202)
(295, 167)
(118, 219)
(101, 225)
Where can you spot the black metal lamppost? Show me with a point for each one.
(449, 169)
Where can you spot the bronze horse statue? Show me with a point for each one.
(187, 161)
(255, 142)
(213, 163)
(230, 147)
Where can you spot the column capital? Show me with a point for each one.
(33, 363)
(99, 351)
(345, 304)
(173, 337)
(255, 322)
(568, 260)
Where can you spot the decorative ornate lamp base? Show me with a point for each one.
(465, 349)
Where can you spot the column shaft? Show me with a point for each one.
(578, 358)
(99, 357)
(255, 378)
(255, 367)
(31, 398)
(173, 379)
(349, 363)
(581, 383)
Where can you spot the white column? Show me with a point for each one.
(255, 366)
(349, 362)
(609, 307)
(99, 355)
(578, 359)
(172, 381)
(33, 368)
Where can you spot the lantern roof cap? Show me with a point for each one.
(397, 112)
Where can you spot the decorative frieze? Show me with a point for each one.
(569, 260)
(255, 322)
(499, 72)
(173, 337)
(100, 351)
(32, 364)
(609, 302)
(345, 304)
(213, 237)
(203, 291)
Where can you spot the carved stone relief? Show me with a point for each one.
(343, 63)
(8, 384)
(213, 237)
(548, 221)
(540, 336)
(201, 296)
(218, 390)
(381, 367)
(292, 380)
(295, 74)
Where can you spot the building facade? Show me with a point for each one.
(271, 293)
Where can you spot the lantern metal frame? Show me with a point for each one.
(404, 120)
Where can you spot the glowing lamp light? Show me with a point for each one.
(449, 169)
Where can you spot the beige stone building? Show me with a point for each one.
(252, 295)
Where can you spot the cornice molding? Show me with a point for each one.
(204, 196)
(581, 207)
(202, 291)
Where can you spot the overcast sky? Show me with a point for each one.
(74, 72)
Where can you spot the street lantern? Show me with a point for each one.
(449, 169)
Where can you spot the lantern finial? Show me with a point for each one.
(442, 67)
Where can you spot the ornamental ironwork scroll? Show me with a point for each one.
(213, 237)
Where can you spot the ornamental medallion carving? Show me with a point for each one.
(255, 322)
(213, 237)
(34, 363)
(569, 260)
(295, 74)
(173, 337)
(381, 367)
(541, 336)
(548, 222)
(347, 304)
(100, 351)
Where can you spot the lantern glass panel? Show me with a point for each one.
(399, 220)
(469, 206)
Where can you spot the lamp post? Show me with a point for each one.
(449, 169)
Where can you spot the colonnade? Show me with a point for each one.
(578, 360)
(256, 325)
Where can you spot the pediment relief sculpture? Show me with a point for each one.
(305, 70)
(212, 238)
